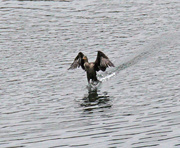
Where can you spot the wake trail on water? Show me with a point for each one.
(156, 46)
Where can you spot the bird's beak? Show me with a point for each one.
(84, 58)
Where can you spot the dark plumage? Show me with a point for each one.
(101, 63)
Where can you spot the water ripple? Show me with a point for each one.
(45, 105)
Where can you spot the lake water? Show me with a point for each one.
(45, 105)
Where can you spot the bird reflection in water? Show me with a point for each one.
(93, 100)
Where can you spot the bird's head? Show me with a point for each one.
(85, 58)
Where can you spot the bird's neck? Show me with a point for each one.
(86, 65)
(86, 61)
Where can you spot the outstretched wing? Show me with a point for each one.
(102, 62)
(78, 61)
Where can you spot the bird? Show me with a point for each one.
(101, 63)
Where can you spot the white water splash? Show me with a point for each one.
(107, 77)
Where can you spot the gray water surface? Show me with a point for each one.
(45, 105)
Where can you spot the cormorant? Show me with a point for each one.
(101, 63)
